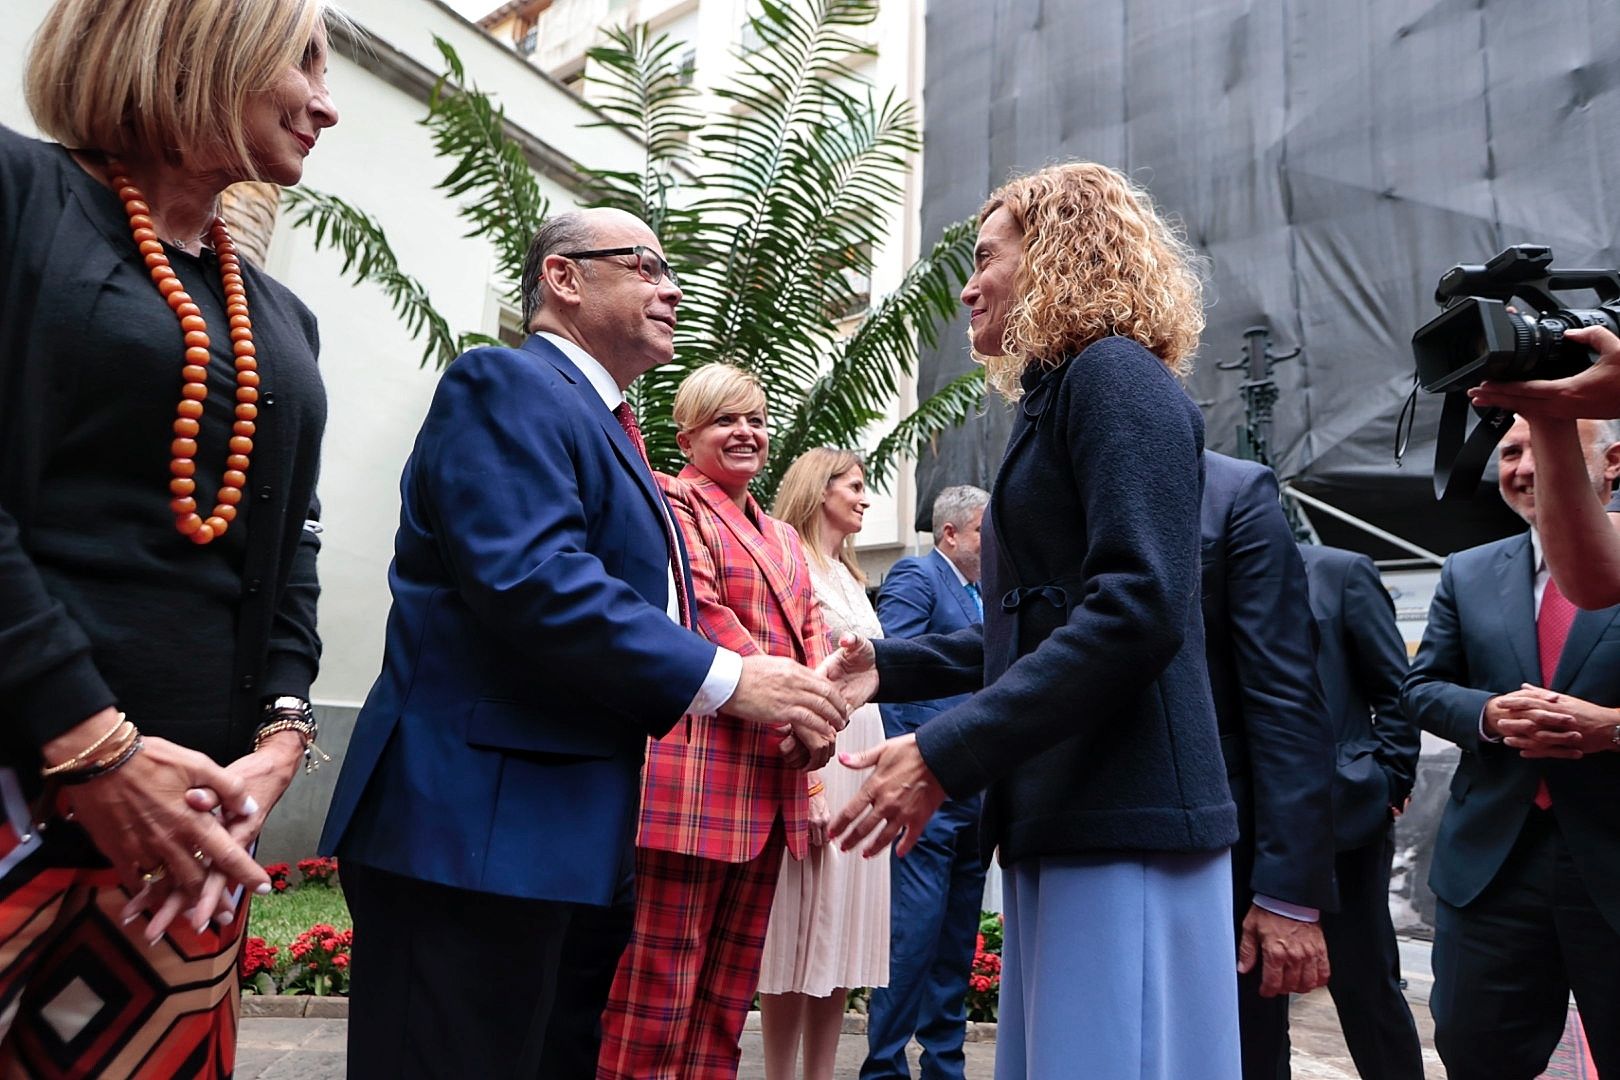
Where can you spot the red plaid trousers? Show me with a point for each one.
(683, 987)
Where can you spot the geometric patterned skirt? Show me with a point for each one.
(82, 995)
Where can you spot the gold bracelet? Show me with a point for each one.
(79, 759)
(816, 789)
(115, 749)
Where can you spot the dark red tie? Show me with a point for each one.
(627, 420)
(1553, 621)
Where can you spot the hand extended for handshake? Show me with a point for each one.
(804, 705)
(902, 793)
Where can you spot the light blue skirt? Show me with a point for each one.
(1119, 967)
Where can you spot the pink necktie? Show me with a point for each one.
(1553, 621)
(627, 420)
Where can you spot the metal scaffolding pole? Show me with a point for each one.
(1291, 492)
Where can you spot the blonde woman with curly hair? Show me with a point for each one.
(1092, 728)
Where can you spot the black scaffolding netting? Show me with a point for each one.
(1331, 159)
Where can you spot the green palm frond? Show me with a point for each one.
(641, 91)
(368, 257)
(767, 181)
(953, 403)
(495, 189)
(864, 377)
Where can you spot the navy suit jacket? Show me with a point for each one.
(1480, 642)
(1361, 661)
(529, 653)
(1259, 641)
(920, 596)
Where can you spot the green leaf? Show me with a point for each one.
(368, 258)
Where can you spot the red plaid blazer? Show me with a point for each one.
(714, 786)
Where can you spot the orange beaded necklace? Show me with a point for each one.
(194, 375)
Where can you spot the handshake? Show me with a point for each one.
(807, 707)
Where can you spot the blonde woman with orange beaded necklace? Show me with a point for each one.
(160, 423)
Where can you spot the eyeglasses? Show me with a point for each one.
(649, 263)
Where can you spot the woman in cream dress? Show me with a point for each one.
(829, 928)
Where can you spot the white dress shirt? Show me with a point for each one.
(726, 671)
(1539, 589)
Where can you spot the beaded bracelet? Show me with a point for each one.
(292, 721)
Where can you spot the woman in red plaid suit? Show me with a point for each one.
(720, 798)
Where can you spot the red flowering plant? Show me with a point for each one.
(984, 983)
(279, 873)
(319, 871)
(256, 966)
(320, 962)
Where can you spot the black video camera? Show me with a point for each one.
(1476, 338)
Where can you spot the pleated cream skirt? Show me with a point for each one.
(830, 921)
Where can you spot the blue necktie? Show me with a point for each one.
(972, 588)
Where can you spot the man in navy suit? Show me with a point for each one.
(536, 640)
(934, 892)
(1526, 865)
(1361, 661)
(1259, 641)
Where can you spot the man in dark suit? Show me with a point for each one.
(1361, 660)
(934, 892)
(1526, 865)
(536, 639)
(1259, 639)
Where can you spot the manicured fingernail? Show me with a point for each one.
(263, 890)
(225, 918)
(250, 806)
(131, 917)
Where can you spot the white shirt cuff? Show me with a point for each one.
(718, 685)
(1298, 912)
(1485, 736)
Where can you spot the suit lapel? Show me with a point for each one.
(622, 446)
(945, 577)
(770, 555)
(1515, 580)
(1584, 633)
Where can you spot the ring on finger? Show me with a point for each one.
(157, 873)
(200, 857)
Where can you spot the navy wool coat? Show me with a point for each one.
(1095, 729)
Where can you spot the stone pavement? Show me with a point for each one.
(298, 1048)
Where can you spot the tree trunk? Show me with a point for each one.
(249, 210)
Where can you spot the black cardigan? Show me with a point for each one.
(102, 601)
(1095, 729)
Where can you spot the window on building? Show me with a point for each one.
(528, 41)
(859, 283)
(510, 329)
(687, 70)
